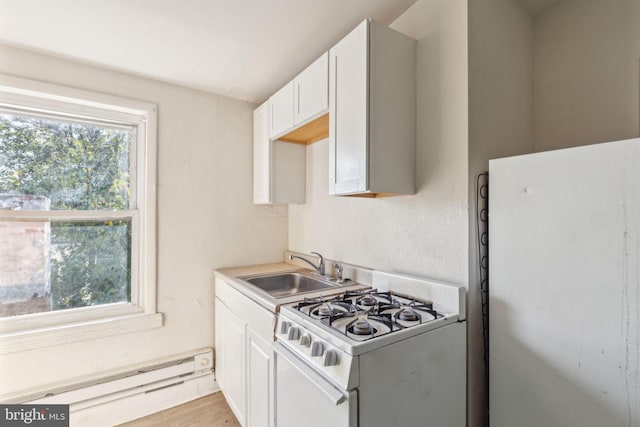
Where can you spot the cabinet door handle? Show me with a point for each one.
(334, 119)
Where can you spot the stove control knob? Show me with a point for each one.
(305, 340)
(331, 358)
(317, 349)
(284, 327)
(294, 334)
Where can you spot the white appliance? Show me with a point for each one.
(564, 250)
(391, 356)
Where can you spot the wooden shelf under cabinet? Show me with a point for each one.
(315, 130)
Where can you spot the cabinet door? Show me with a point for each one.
(348, 98)
(311, 90)
(281, 110)
(234, 363)
(219, 331)
(260, 385)
(261, 153)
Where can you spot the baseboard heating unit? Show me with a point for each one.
(137, 392)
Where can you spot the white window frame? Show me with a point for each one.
(26, 332)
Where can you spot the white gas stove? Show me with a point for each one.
(391, 355)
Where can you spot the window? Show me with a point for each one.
(77, 206)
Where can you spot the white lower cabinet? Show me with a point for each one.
(234, 343)
(244, 357)
(260, 369)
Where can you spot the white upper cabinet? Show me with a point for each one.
(311, 91)
(296, 109)
(348, 131)
(279, 168)
(372, 113)
(281, 110)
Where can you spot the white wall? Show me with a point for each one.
(420, 234)
(426, 233)
(586, 73)
(206, 219)
(500, 124)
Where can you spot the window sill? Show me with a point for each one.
(77, 332)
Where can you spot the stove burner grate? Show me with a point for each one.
(367, 297)
(320, 307)
(363, 315)
(331, 308)
(426, 307)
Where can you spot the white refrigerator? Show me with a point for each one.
(564, 290)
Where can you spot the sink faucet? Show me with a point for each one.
(319, 268)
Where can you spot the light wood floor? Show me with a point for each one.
(208, 411)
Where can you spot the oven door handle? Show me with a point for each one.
(335, 396)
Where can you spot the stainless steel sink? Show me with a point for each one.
(285, 284)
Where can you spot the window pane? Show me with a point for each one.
(75, 165)
(48, 266)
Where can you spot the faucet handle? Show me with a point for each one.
(320, 263)
(319, 256)
(339, 274)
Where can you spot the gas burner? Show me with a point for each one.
(414, 311)
(330, 309)
(320, 307)
(364, 325)
(425, 307)
(361, 327)
(367, 301)
(323, 310)
(408, 315)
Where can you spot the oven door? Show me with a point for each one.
(306, 398)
